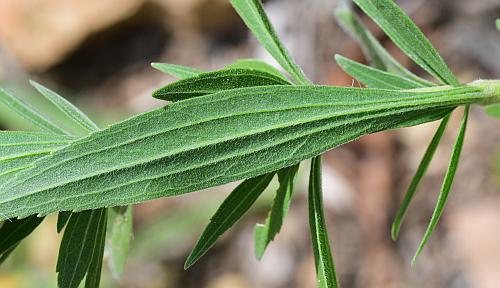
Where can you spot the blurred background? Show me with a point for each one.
(98, 54)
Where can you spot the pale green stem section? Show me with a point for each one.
(491, 90)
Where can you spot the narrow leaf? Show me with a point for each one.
(15, 230)
(62, 220)
(24, 110)
(93, 278)
(325, 269)
(497, 22)
(258, 65)
(265, 233)
(216, 139)
(376, 54)
(211, 82)
(73, 113)
(408, 37)
(447, 183)
(252, 13)
(375, 78)
(422, 168)
(178, 71)
(229, 212)
(118, 239)
(81, 239)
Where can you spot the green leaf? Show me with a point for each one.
(80, 248)
(422, 168)
(216, 139)
(19, 150)
(252, 13)
(375, 78)
(408, 37)
(497, 22)
(265, 233)
(178, 71)
(212, 82)
(15, 230)
(258, 65)
(72, 113)
(493, 110)
(325, 269)
(228, 213)
(447, 183)
(93, 278)
(24, 110)
(62, 220)
(118, 238)
(376, 54)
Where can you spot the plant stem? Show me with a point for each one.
(490, 89)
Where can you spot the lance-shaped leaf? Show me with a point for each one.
(408, 37)
(15, 230)
(265, 233)
(325, 269)
(216, 139)
(178, 71)
(93, 278)
(118, 238)
(212, 82)
(229, 212)
(417, 178)
(376, 54)
(447, 183)
(497, 22)
(72, 113)
(29, 113)
(258, 65)
(252, 13)
(80, 244)
(375, 78)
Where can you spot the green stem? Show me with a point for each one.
(491, 91)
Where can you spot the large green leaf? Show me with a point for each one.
(265, 233)
(375, 78)
(218, 138)
(407, 36)
(29, 113)
(252, 13)
(325, 269)
(19, 150)
(118, 238)
(228, 213)
(212, 82)
(80, 246)
(447, 183)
